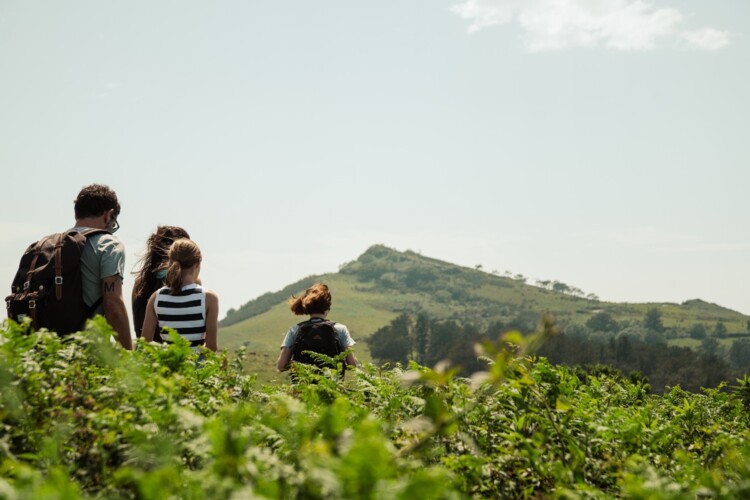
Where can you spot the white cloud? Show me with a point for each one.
(617, 24)
(484, 13)
(561, 24)
(707, 38)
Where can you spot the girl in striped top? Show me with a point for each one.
(183, 304)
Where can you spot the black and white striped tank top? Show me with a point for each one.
(185, 312)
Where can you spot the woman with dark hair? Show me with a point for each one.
(183, 304)
(315, 302)
(152, 269)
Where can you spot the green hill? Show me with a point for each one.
(382, 283)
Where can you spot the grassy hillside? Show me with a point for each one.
(382, 283)
(362, 310)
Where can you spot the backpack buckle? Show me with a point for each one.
(26, 285)
(32, 304)
(58, 280)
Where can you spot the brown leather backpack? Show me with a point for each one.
(48, 287)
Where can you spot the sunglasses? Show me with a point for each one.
(115, 225)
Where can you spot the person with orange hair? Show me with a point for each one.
(317, 334)
(183, 304)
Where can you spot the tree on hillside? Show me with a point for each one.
(560, 287)
(421, 334)
(652, 320)
(440, 344)
(720, 329)
(525, 321)
(623, 349)
(420, 277)
(462, 350)
(710, 346)
(739, 354)
(654, 337)
(602, 322)
(392, 343)
(697, 331)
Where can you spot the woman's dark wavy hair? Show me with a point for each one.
(155, 259)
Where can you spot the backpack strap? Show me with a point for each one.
(93, 307)
(58, 265)
(310, 321)
(27, 283)
(86, 233)
(303, 324)
(32, 267)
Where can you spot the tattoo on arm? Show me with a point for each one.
(109, 287)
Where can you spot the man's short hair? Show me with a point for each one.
(94, 200)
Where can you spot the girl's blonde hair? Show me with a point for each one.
(315, 300)
(183, 254)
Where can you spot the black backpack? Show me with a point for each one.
(319, 337)
(48, 287)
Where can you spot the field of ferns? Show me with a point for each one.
(82, 418)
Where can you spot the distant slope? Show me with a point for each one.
(382, 283)
(265, 302)
(362, 312)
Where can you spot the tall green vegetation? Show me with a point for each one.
(82, 418)
(653, 321)
(602, 341)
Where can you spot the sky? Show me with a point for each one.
(603, 144)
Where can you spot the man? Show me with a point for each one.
(103, 258)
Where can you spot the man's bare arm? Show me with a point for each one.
(114, 309)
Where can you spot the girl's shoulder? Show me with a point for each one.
(340, 327)
(294, 329)
(212, 298)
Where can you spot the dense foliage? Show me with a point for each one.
(82, 418)
(600, 342)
